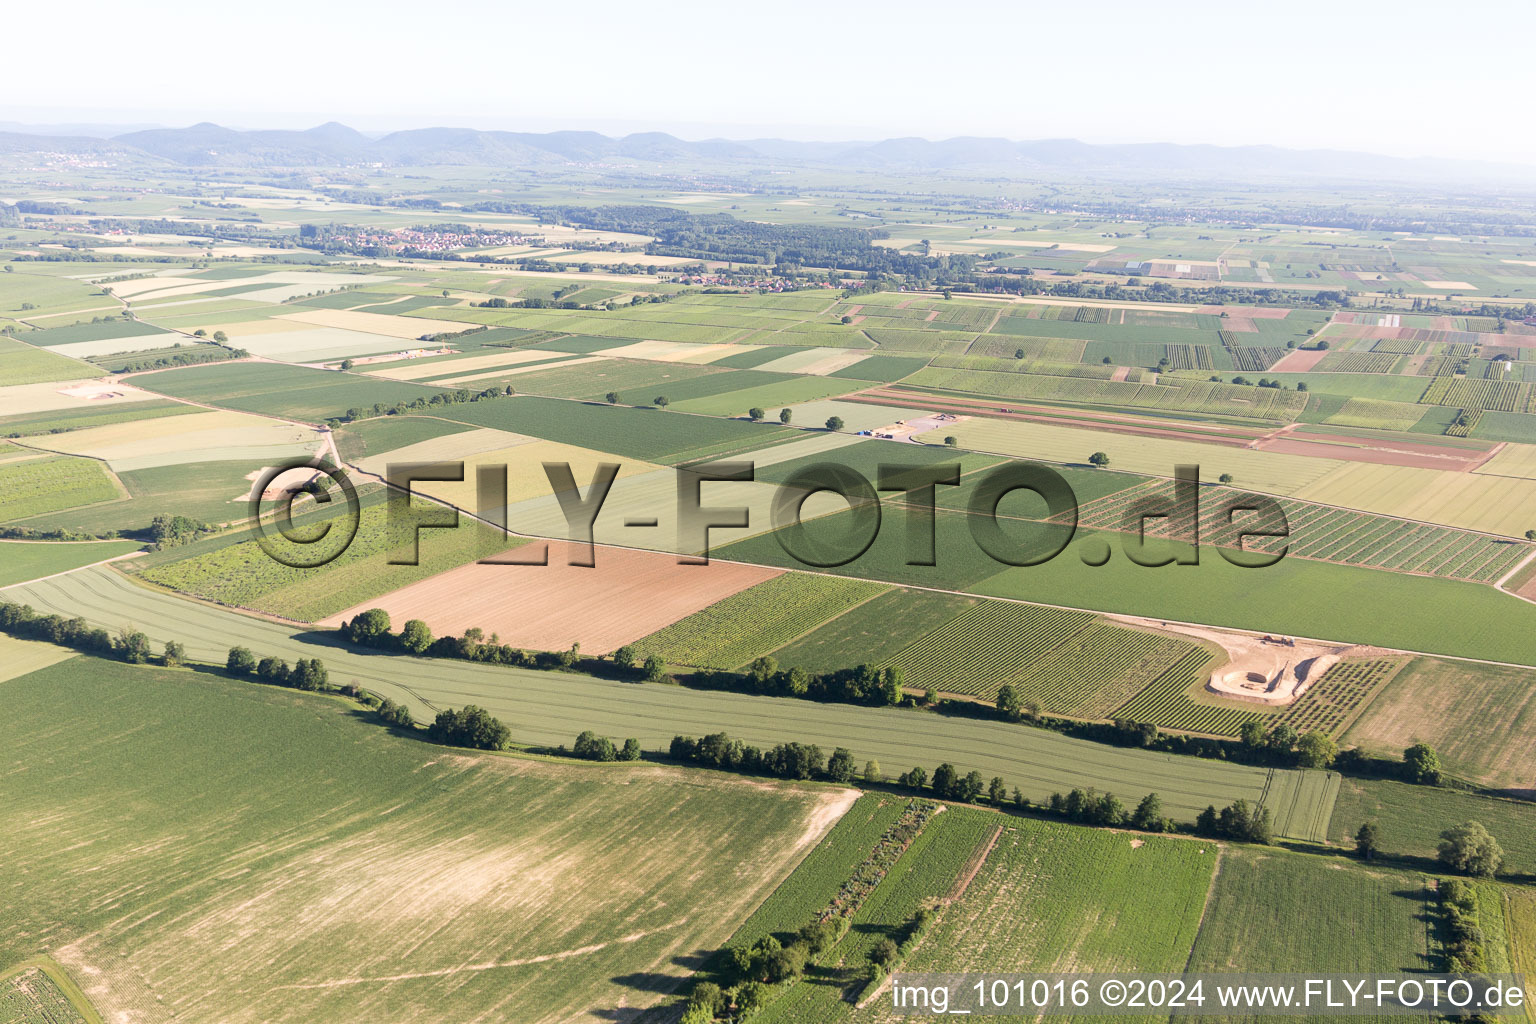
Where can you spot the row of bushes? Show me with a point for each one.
(442, 398)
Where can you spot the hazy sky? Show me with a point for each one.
(1406, 77)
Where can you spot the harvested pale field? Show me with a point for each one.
(243, 329)
(145, 285)
(196, 437)
(1464, 286)
(675, 351)
(817, 361)
(1473, 501)
(387, 324)
(18, 657)
(641, 510)
(1272, 472)
(527, 481)
(432, 367)
(316, 344)
(624, 596)
(1516, 460)
(448, 448)
(1045, 243)
(513, 371)
(855, 415)
(52, 396)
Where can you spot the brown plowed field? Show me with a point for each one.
(1300, 360)
(625, 596)
(1349, 449)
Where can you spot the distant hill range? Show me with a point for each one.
(336, 145)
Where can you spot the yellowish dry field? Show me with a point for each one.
(431, 368)
(18, 657)
(676, 351)
(514, 371)
(66, 394)
(387, 324)
(1473, 501)
(196, 437)
(524, 459)
(1517, 460)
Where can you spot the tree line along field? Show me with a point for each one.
(432, 869)
(549, 708)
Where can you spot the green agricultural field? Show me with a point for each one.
(1411, 819)
(34, 487)
(652, 435)
(22, 364)
(768, 396)
(1295, 596)
(874, 631)
(1379, 918)
(56, 420)
(1480, 718)
(882, 369)
(244, 575)
(993, 643)
(1054, 897)
(382, 434)
(21, 560)
(550, 708)
(109, 330)
(424, 860)
(637, 382)
(208, 492)
(757, 620)
(279, 390)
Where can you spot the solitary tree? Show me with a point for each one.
(1225, 478)
(1008, 702)
(415, 636)
(785, 415)
(1422, 764)
(1316, 750)
(755, 413)
(220, 337)
(1368, 841)
(241, 662)
(174, 654)
(1530, 534)
(872, 772)
(346, 364)
(952, 441)
(661, 401)
(1018, 353)
(1098, 459)
(613, 397)
(834, 423)
(1469, 848)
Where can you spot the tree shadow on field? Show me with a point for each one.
(332, 638)
(1432, 922)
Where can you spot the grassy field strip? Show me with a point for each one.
(550, 708)
(921, 877)
(21, 561)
